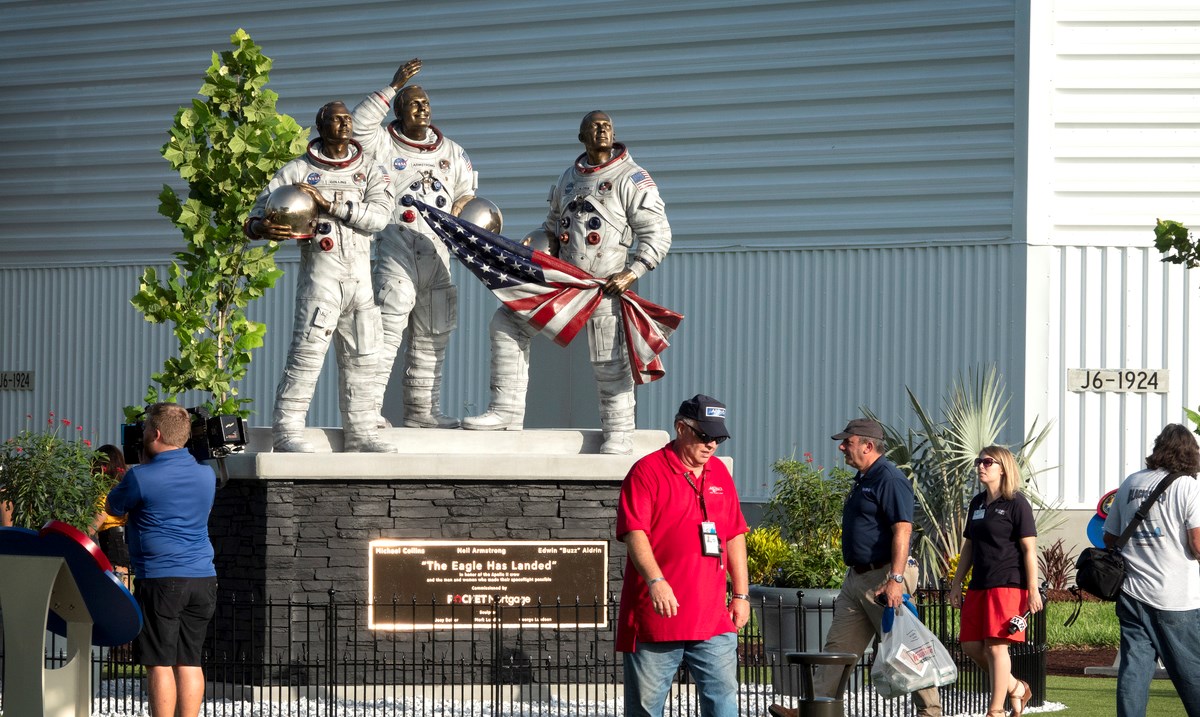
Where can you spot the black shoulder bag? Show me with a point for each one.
(1101, 571)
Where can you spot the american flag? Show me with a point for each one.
(551, 295)
(642, 179)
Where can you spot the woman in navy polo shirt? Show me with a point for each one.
(1000, 543)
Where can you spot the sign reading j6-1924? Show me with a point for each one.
(473, 584)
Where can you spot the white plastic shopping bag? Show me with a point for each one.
(910, 657)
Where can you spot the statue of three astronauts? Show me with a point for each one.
(606, 217)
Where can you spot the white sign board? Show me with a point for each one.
(1127, 380)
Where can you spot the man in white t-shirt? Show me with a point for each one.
(1159, 605)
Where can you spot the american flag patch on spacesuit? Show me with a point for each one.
(467, 160)
(641, 179)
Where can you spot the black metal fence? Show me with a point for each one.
(323, 658)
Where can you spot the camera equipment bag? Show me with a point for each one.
(1101, 571)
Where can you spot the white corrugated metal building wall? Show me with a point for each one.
(1114, 144)
(840, 178)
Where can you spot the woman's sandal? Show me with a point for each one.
(1018, 702)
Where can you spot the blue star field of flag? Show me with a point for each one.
(499, 262)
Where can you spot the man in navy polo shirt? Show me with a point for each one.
(876, 531)
(168, 499)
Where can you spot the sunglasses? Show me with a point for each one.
(987, 462)
(704, 437)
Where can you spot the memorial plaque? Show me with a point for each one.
(473, 584)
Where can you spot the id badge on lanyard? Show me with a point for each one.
(710, 542)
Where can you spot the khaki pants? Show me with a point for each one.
(857, 618)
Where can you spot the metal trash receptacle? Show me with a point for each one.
(809, 704)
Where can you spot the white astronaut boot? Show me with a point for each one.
(359, 434)
(614, 383)
(510, 376)
(288, 432)
(356, 379)
(423, 383)
(422, 405)
(505, 413)
(385, 359)
(291, 409)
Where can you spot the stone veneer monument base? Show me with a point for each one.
(293, 527)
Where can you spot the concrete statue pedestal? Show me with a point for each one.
(545, 454)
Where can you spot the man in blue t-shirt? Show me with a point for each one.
(167, 500)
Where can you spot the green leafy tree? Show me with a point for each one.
(226, 147)
(1176, 243)
(1178, 246)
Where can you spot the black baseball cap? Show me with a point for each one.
(708, 413)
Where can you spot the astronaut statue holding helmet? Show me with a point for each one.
(600, 207)
(413, 286)
(333, 200)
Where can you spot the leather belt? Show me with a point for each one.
(868, 567)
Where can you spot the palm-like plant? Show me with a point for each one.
(938, 456)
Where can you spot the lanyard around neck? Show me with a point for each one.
(699, 492)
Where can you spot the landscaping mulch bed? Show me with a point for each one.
(1070, 661)
(1068, 596)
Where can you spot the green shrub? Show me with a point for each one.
(800, 541)
(766, 551)
(50, 475)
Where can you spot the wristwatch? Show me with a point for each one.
(740, 596)
(895, 577)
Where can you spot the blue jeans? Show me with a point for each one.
(712, 664)
(1147, 633)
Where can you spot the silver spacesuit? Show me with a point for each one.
(596, 215)
(333, 296)
(412, 272)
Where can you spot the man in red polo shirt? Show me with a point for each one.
(683, 529)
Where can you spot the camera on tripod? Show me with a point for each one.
(212, 436)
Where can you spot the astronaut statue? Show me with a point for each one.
(333, 292)
(600, 207)
(412, 270)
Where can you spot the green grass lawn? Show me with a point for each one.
(1097, 697)
(1096, 626)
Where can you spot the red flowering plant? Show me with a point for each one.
(51, 474)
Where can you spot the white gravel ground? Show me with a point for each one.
(122, 690)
